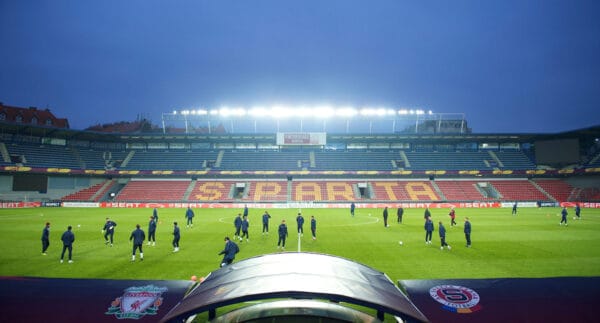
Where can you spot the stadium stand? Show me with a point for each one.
(420, 160)
(518, 190)
(355, 160)
(413, 190)
(203, 190)
(262, 160)
(45, 156)
(558, 189)
(153, 190)
(514, 160)
(267, 191)
(92, 193)
(314, 190)
(461, 190)
(168, 159)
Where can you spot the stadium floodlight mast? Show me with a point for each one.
(301, 113)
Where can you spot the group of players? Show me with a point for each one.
(241, 225)
(138, 236)
(429, 226)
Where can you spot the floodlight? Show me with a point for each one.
(323, 112)
(259, 112)
(346, 112)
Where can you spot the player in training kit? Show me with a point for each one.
(400, 213)
(45, 238)
(283, 233)
(428, 230)
(67, 239)
(229, 252)
(564, 214)
(237, 223)
(442, 232)
(514, 209)
(138, 237)
(245, 225)
(452, 215)
(467, 231)
(189, 215)
(265, 221)
(152, 231)
(352, 207)
(176, 237)
(300, 222)
(577, 211)
(385, 217)
(313, 227)
(109, 230)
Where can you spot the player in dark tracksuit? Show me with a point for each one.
(237, 223)
(67, 238)
(283, 233)
(45, 238)
(300, 222)
(313, 227)
(400, 213)
(152, 231)
(428, 230)
(155, 215)
(385, 217)
(138, 237)
(189, 215)
(467, 231)
(229, 252)
(109, 230)
(245, 211)
(265, 221)
(564, 214)
(176, 236)
(352, 207)
(442, 232)
(245, 225)
(578, 212)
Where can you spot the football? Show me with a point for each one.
(400, 242)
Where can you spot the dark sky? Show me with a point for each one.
(510, 66)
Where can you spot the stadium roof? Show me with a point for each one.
(299, 276)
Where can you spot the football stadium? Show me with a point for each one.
(334, 206)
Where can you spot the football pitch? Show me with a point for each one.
(530, 244)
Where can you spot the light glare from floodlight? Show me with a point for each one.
(322, 111)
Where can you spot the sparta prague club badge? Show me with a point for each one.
(457, 299)
(137, 302)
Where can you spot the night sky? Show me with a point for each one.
(510, 66)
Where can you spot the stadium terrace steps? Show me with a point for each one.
(323, 190)
(518, 190)
(275, 191)
(403, 191)
(153, 190)
(45, 156)
(86, 194)
(354, 160)
(559, 190)
(455, 190)
(207, 190)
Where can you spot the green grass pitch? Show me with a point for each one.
(531, 244)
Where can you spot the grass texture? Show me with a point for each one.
(530, 244)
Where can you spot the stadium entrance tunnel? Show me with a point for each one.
(296, 287)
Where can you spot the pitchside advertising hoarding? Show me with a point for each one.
(294, 205)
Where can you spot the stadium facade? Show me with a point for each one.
(442, 163)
